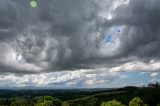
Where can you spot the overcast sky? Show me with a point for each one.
(62, 43)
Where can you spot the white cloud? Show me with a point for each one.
(154, 80)
(154, 74)
(137, 66)
(78, 78)
(141, 84)
(94, 82)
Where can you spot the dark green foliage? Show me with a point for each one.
(151, 96)
(89, 97)
(94, 100)
(19, 101)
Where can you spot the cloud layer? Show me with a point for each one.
(63, 79)
(68, 35)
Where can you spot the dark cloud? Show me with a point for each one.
(68, 35)
(141, 35)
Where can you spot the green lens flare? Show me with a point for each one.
(33, 4)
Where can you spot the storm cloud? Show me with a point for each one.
(61, 35)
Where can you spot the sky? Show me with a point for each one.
(79, 43)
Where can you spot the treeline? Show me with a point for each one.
(127, 96)
(50, 101)
(63, 94)
(149, 95)
(37, 101)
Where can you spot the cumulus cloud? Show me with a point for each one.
(68, 35)
(138, 65)
(63, 79)
(154, 74)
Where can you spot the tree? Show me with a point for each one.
(136, 102)
(19, 102)
(112, 103)
(48, 101)
(65, 103)
(48, 98)
(154, 85)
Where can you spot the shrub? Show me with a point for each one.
(112, 103)
(136, 102)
